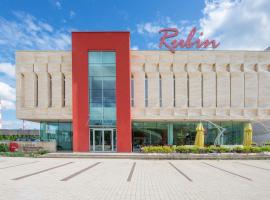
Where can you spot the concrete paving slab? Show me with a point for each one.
(151, 179)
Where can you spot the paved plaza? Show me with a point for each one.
(63, 178)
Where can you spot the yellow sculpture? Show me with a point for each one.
(199, 140)
(247, 135)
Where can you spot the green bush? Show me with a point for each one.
(194, 149)
(182, 149)
(237, 149)
(15, 137)
(4, 148)
(210, 149)
(157, 149)
(12, 154)
(256, 149)
(265, 148)
(223, 149)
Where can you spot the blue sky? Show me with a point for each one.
(47, 24)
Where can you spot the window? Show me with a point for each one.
(132, 91)
(102, 88)
(36, 80)
(160, 91)
(64, 90)
(188, 90)
(174, 102)
(146, 91)
(22, 90)
(50, 90)
(61, 132)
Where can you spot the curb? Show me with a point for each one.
(163, 156)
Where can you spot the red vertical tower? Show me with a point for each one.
(82, 43)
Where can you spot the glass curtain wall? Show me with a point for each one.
(149, 133)
(102, 75)
(183, 133)
(59, 131)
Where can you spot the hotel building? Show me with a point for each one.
(103, 96)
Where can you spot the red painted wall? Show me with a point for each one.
(82, 42)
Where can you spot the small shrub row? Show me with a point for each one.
(4, 148)
(210, 149)
(158, 149)
(19, 137)
(23, 154)
(12, 154)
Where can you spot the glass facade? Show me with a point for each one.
(102, 75)
(183, 133)
(59, 131)
(149, 133)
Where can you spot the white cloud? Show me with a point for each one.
(238, 24)
(7, 92)
(8, 105)
(148, 27)
(151, 28)
(7, 96)
(135, 47)
(8, 69)
(26, 33)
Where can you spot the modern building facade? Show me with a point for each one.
(102, 96)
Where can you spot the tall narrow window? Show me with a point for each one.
(102, 88)
(36, 80)
(174, 103)
(187, 90)
(50, 91)
(64, 90)
(22, 90)
(160, 91)
(146, 91)
(132, 91)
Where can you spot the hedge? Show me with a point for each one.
(15, 137)
(210, 149)
(4, 148)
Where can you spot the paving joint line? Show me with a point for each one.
(41, 171)
(79, 172)
(131, 172)
(182, 173)
(229, 172)
(245, 164)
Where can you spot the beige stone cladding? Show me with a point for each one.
(185, 85)
(44, 85)
(194, 85)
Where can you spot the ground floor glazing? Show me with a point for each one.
(104, 139)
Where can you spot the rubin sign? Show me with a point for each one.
(190, 42)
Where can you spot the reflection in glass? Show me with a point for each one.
(98, 140)
(149, 133)
(184, 133)
(60, 132)
(102, 88)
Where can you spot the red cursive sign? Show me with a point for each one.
(190, 42)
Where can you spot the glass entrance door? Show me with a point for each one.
(102, 140)
(98, 140)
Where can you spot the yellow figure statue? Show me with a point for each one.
(247, 135)
(199, 140)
